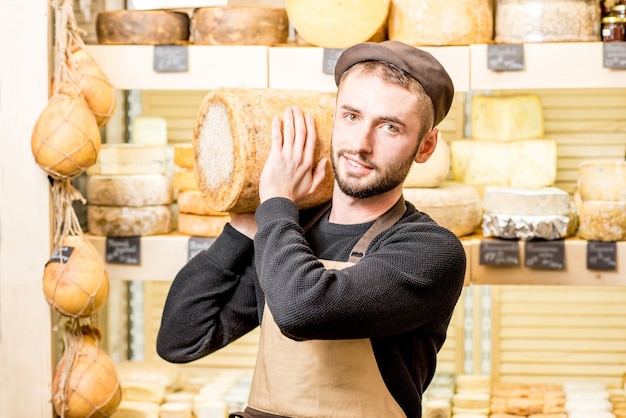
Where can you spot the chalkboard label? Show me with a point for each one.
(123, 250)
(499, 253)
(614, 55)
(602, 255)
(545, 255)
(170, 58)
(331, 55)
(61, 255)
(505, 57)
(198, 244)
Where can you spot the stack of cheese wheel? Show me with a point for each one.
(451, 204)
(239, 25)
(142, 27)
(129, 191)
(441, 22)
(437, 398)
(587, 399)
(511, 399)
(601, 200)
(472, 395)
(528, 212)
(195, 217)
(507, 145)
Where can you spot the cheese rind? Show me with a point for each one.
(602, 220)
(129, 190)
(526, 200)
(602, 180)
(506, 118)
(432, 172)
(192, 201)
(185, 179)
(128, 221)
(183, 155)
(201, 226)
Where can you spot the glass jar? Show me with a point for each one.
(613, 29)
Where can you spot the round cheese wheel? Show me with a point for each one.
(185, 179)
(231, 25)
(600, 220)
(602, 180)
(128, 221)
(117, 159)
(191, 201)
(433, 171)
(232, 139)
(441, 22)
(453, 205)
(129, 190)
(183, 155)
(337, 23)
(142, 27)
(201, 225)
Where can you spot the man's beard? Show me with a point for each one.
(388, 180)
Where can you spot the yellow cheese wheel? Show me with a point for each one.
(602, 220)
(507, 117)
(120, 159)
(433, 171)
(185, 179)
(183, 155)
(337, 23)
(602, 180)
(201, 225)
(192, 201)
(232, 25)
(142, 27)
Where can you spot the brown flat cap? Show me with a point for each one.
(419, 64)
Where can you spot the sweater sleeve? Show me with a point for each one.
(212, 300)
(410, 277)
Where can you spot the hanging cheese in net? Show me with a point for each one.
(232, 140)
(85, 383)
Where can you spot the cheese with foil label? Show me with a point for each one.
(506, 118)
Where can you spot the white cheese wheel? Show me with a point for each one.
(452, 205)
(506, 118)
(210, 409)
(114, 159)
(129, 190)
(136, 409)
(149, 130)
(473, 383)
(233, 25)
(527, 200)
(523, 163)
(433, 171)
(602, 220)
(185, 179)
(192, 201)
(441, 22)
(602, 180)
(183, 155)
(128, 221)
(142, 27)
(337, 23)
(201, 225)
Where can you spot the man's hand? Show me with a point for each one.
(289, 170)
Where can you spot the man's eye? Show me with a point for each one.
(351, 117)
(391, 129)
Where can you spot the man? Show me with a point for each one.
(353, 299)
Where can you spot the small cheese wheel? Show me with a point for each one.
(129, 190)
(185, 179)
(453, 205)
(433, 171)
(231, 25)
(128, 221)
(201, 225)
(337, 23)
(192, 202)
(119, 159)
(142, 27)
(183, 155)
(602, 220)
(602, 180)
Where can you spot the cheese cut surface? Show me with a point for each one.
(602, 220)
(337, 23)
(602, 180)
(441, 22)
(201, 225)
(233, 25)
(523, 163)
(114, 159)
(526, 200)
(192, 202)
(142, 27)
(452, 205)
(128, 221)
(433, 171)
(183, 155)
(507, 118)
(149, 130)
(129, 190)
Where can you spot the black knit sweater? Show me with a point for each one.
(400, 295)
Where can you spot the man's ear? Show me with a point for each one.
(427, 147)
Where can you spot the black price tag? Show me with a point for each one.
(505, 57)
(331, 55)
(123, 250)
(545, 255)
(197, 244)
(614, 55)
(499, 253)
(61, 255)
(170, 58)
(602, 255)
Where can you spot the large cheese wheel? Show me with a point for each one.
(602, 180)
(453, 205)
(231, 25)
(232, 139)
(337, 23)
(142, 27)
(441, 22)
(201, 225)
(433, 171)
(129, 190)
(507, 118)
(128, 221)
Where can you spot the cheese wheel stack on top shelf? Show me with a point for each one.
(507, 146)
(129, 191)
(601, 200)
(195, 217)
(451, 204)
(142, 27)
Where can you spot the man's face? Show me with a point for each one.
(375, 135)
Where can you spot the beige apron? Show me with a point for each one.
(323, 378)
